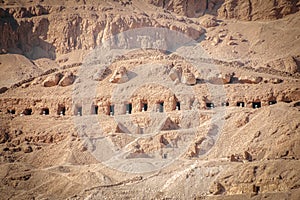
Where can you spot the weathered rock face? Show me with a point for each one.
(244, 10)
(188, 8)
(52, 80)
(119, 76)
(52, 33)
(32, 44)
(257, 10)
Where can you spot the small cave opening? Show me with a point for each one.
(61, 110)
(177, 105)
(128, 108)
(78, 111)
(144, 106)
(12, 111)
(225, 104)
(27, 111)
(160, 106)
(45, 111)
(256, 189)
(256, 105)
(240, 104)
(94, 110)
(272, 102)
(210, 105)
(111, 110)
(297, 104)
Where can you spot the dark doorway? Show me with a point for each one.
(256, 104)
(144, 106)
(78, 111)
(177, 105)
(272, 102)
(210, 105)
(27, 111)
(13, 111)
(256, 189)
(111, 110)
(240, 104)
(128, 108)
(45, 111)
(161, 107)
(224, 104)
(61, 110)
(95, 109)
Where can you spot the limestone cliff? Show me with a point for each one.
(243, 10)
(53, 30)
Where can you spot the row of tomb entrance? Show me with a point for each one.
(110, 110)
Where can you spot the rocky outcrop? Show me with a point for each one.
(209, 21)
(175, 74)
(257, 10)
(67, 80)
(119, 75)
(287, 64)
(216, 188)
(185, 76)
(222, 78)
(188, 78)
(250, 79)
(52, 80)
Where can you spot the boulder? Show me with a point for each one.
(209, 22)
(119, 75)
(174, 74)
(226, 78)
(67, 80)
(275, 80)
(250, 79)
(221, 78)
(100, 74)
(52, 80)
(188, 78)
(215, 40)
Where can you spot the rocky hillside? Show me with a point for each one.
(207, 106)
(53, 29)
